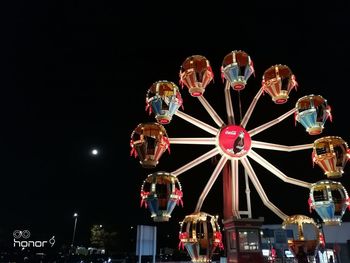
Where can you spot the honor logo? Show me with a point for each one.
(19, 241)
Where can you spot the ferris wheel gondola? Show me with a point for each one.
(200, 235)
(278, 81)
(330, 200)
(331, 153)
(306, 234)
(236, 68)
(160, 193)
(163, 99)
(195, 74)
(148, 142)
(313, 112)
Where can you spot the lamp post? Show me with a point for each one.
(75, 215)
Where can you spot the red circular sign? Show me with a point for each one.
(234, 141)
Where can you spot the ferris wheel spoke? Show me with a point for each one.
(271, 123)
(260, 160)
(197, 122)
(251, 108)
(235, 187)
(228, 102)
(204, 141)
(247, 192)
(211, 111)
(260, 189)
(196, 161)
(278, 147)
(211, 181)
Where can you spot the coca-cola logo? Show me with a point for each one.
(234, 141)
(230, 132)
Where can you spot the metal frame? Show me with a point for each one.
(234, 162)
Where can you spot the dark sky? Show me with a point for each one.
(74, 77)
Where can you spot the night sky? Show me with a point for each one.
(75, 75)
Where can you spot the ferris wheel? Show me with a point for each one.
(161, 191)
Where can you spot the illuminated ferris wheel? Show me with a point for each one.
(162, 191)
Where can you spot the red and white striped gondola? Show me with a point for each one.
(196, 74)
(278, 81)
(331, 153)
(148, 142)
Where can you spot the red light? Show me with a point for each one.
(164, 121)
(316, 132)
(233, 235)
(238, 87)
(281, 101)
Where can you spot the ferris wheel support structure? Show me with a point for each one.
(211, 111)
(203, 141)
(251, 108)
(195, 162)
(271, 123)
(211, 181)
(256, 157)
(197, 122)
(279, 147)
(260, 189)
(228, 103)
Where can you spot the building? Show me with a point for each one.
(337, 239)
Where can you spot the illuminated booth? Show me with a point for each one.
(163, 99)
(200, 235)
(148, 142)
(331, 153)
(243, 240)
(236, 68)
(278, 81)
(330, 200)
(160, 193)
(306, 234)
(312, 113)
(196, 74)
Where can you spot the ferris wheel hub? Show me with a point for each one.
(234, 141)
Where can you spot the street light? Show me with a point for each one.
(75, 215)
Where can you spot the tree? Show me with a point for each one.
(97, 238)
